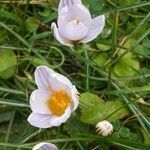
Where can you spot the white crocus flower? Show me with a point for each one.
(104, 128)
(45, 146)
(54, 100)
(75, 24)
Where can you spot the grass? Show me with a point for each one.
(126, 33)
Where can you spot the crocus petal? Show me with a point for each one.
(44, 146)
(96, 28)
(39, 120)
(64, 3)
(42, 77)
(75, 97)
(59, 82)
(56, 82)
(58, 36)
(47, 78)
(38, 101)
(51, 79)
(74, 30)
(74, 12)
(57, 121)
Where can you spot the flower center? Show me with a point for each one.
(59, 102)
(77, 21)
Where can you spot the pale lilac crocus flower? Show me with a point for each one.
(54, 100)
(75, 23)
(45, 146)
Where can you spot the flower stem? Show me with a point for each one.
(87, 71)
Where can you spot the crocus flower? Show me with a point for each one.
(104, 128)
(54, 100)
(75, 23)
(44, 146)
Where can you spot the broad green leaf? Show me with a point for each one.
(127, 66)
(8, 62)
(95, 109)
(32, 24)
(101, 59)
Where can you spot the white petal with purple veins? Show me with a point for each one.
(78, 12)
(52, 78)
(42, 77)
(97, 26)
(40, 120)
(58, 36)
(74, 30)
(64, 3)
(57, 121)
(38, 101)
(75, 97)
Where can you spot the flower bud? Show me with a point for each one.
(104, 128)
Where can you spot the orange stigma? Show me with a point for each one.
(58, 102)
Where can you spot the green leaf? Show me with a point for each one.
(95, 8)
(32, 24)
(117, 125)
(8, 62)
(127, 66)
(101, 59)
(103, 47)
(95, 109)
(140, 49)
(124, 132)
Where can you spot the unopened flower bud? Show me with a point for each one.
(104, 128)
